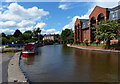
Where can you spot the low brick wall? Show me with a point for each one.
(96, 47)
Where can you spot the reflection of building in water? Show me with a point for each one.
(28, 59)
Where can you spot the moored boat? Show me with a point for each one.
(29, 49)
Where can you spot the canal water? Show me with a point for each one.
(58, 63)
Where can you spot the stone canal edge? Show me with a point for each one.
(15, 73)
(103, 50)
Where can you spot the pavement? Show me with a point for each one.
(3, 49)
(9, 68)
(5, 59)
(15, 74)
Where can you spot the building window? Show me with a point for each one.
(84, 39)
(114, 15)
(84, 32)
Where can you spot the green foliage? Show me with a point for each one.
(36, 32)
(98, 45)
(12, 38)
(3, 35)
(29, 32)
(86, 42)
(17, 33)
(4, 41)
(107, 30)
(77, 42)
(67, 36)
(9, 36)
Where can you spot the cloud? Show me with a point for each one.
(64, 6)
(40, 25)
(68, 17)
(1, 8)
(25, 23)
(7, 31)
(8, 24)
(50, 31)
(101, 4)
(86, 15)
(10, 0)
(25, 29)
(71, 24)
(18, 17)
(16, 12)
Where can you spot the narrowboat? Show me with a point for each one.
(29, 49)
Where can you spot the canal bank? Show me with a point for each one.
(15, 73)
(93, 48)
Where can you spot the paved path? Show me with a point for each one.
(9, 49)
(15, 73)
(4, 64)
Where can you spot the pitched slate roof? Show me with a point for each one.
(115, 8)
(85, 23)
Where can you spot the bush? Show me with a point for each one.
(119, 42)
(77, 42)
(86, 42)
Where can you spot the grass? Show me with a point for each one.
(99, 45)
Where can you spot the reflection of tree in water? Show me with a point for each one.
(97, 66)
(38, 51)
(66, 50)
(105, 66)
(29, 60)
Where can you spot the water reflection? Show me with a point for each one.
(57, 63)
(28, 60)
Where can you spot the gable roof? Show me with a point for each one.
(97, 11)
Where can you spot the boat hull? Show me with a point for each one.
(27, 53)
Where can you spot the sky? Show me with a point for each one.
(51, 17)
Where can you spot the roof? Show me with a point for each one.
(115, 8)
(85, 23)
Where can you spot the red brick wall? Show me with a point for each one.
(95, 47)
(85, 34)
(78, 22)
(97, 10)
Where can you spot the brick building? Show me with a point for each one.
(50, 37)
(83, 30)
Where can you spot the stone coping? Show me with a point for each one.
(93, 48)
(15, 73)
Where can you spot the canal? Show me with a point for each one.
(58, 63)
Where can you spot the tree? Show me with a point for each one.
(4, 41)
(36, 33)
(12, 38)
(107, 30)
(17, 33)
(30, 32)
(67, 35)
(3, 35)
